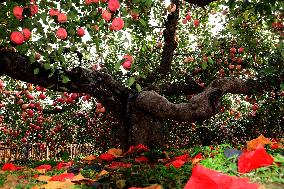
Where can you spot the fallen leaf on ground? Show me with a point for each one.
(102, 173)
(230, 152)
(64, 165)
(154, 186)
(58, 185)
(10, 167)
(115, 165)
(107, 157)
(89, 158)
(184, 157)
(261, 140)
(176, 163)
(43, 178)
(254, 159)
(62, 177)
(115, 151)
(197, 158)
(47, 167)
(78, 177)
(206, 178)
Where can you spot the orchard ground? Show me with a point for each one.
(141, 167)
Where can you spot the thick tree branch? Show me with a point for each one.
(98, 84)
(201, 106)
(200, 3)
(169, 34)
(177, 88)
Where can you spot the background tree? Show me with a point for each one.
(145, 61)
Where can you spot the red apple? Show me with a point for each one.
(241, 49)
(188, 17)
(239, 67)
(231, 66)
(196, 22)
(25, 106)
(233, 50)
(37, 56)
(24, 140)
(255, 107)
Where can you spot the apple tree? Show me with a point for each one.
(147, 61)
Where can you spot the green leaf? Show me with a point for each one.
(282, 86)
(148, 3)
(32, 58)
(50, 75)
(138, 87)
(46, 66)
(119, 35)
(204, 65)
(210, 60)
(131, 80)
(65, 79)
(60, 50)
(142, 22)
(36, 71)
(117, 65)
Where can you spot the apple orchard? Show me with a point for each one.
(110, 72)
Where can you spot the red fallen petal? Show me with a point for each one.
(131, 150)
(254, 159)
(199, 179)
(141, 148)
(64, 165)
(197, 158)
(47, 167)
(184, 157)
(141, 159)
(10, 167)
(206, 178)
(107, 157)
(176, 163)
(62, 177)
(115, 165)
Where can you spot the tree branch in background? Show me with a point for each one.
(98, 84)
(201, 106)
(169, 34)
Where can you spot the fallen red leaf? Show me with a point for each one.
(10, 167)
(62, 177)
(261, 140)
(184, 157)
(254, 159)
(115, 165)
(197, 158)
(46, 167)
(62, 165)
(107, 157)
(142, 148)
(206, 178)
(176, 163)
(141, 159)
